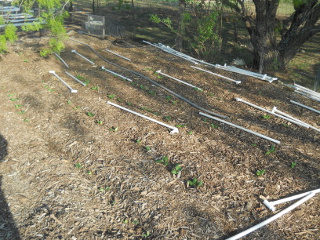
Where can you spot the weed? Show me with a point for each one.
(180, 125)
(148, 69)
(26, 120)
(194, 183)
(85, 80)
(26, 60)
(271, 150)
(69, 102)
(17, 106)
(78, 165)
(214, 126)
(147, 148)
(205, 120)
(90, 114)
(158, 75)
(176, 169)
(95, 88)
(168, 118)
(100, 122)
(198, 89)
(156, 113)
(14, 99)
(164, 160)
(135, 222)
(266, 116)
(22, 112)
(143, 87)
(253, 144)
(168, 98)
(190, 133)
(293, 164)
(113, 129)
(146, 234)
(89, 172)
(260, 172)
(285, 125)
(153, 93)
(119, 100)
(129, 103)
(138, 141)
(111, 96)
(104, 189)
(76, 108)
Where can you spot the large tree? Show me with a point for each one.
(270, 49)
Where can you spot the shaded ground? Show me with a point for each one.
(75, 167)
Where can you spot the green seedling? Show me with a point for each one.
(78, 165)
(129, 103)
(10, 95)
(152, 92)
(119, 100)
(148, 69)
(138, 141)
(205, 120)
(26, 120)
(25, 60)
(113, 129)
(194, 183)
(146, 234)
(190, 133)
(111, 96)
(17, 106)
(156, 113)
(168, 118)
(135, 222)
(260, 172)
(89, 172)
(147, 148)
(100, 122)
(22, 112)
(69, 102)
(180, 125)
(198, 89)
(168, 98)
(104, 189)
(253, 144)
(176, 169)
(211, 94)
(271, 150)
(164, 160)
(14, 99)
(293, 164)
(95, 88)
(285, 125)
(214, 126)
(266, 116)
(76, 108)
(143, 87)
(90, 114)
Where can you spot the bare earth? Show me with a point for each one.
(75, 167)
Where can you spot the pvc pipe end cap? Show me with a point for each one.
(238, 82)
(73, 51)
(238, 99)
(102, 67)
(74, 91)
(274, 109)
(51, 71)
(159, 71)
(269, 205)
(175, 130)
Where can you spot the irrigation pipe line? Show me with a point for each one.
(230, 79)
(56, 75)
(153, 82)
(118, 55)
(74, 51)
(271, 205)
(242, 128)
(274, 217)
(76, 79)
(308, 95)
(178, 80)
(275, 114)
(294, 119)
(114, 73)
(173, 129)
(307, 90)
(304, 106)
(58, 56)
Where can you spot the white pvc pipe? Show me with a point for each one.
(275, 110)
(76, 79)
(118, 55)
(178, 80)
(242, 128)
(230, 79)
(306, 94)
(304, 89)
(271, 219)
(271, 205)
(307, 107)
(173, 129)
(58, 56)
(71, 89)
(74, 51)
(109, 71)
(275, 114)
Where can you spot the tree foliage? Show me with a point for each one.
(51, 17)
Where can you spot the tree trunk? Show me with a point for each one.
(181, 30)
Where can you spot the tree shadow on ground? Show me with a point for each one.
(8, 229)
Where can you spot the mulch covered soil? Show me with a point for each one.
(75, 167)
